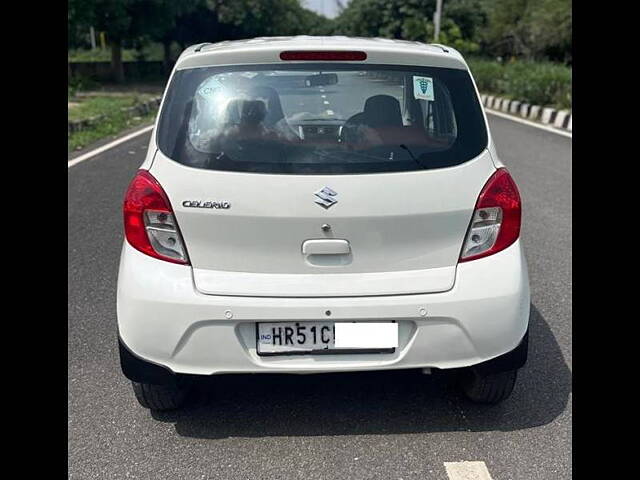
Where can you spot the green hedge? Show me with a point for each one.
(150, 52)
(539, 83)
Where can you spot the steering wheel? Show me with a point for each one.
(349, 133)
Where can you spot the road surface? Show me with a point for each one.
(394, 425)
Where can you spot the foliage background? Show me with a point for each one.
(518, 48)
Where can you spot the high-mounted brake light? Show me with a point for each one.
(149, 223)
(496, 219)
(325, 56)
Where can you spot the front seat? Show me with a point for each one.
(380, 111)
(275, 116)
(244, 120)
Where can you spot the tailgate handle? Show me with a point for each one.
(326, 247)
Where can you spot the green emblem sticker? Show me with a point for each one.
(423, 88)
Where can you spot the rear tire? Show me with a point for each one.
(489, 389)
(160, 397)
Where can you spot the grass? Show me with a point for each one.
(538, 83)
(115, 120)
(151, 52)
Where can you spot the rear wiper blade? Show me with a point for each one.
(373, 157)
(322, 119)
(418, 162)
(215, 156)
(335, 155)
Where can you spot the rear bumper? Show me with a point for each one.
(164, 321)
(139, 370)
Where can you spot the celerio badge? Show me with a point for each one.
(326, 197)
(201, 204)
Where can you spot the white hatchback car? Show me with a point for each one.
(321, 204)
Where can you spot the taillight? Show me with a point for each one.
(149, 223)
(496, 219)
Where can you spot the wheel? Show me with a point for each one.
(492, 388)
(160, 397)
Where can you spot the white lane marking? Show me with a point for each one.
(329, 112)
(326, 103)
(528, 122)
(467, 471)
(108, 146)
(323, 96)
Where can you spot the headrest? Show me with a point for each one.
(274, 107)
(247, 112)
(382, 111)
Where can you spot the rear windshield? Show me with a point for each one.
(321, 118)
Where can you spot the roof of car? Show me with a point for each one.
(267, 50)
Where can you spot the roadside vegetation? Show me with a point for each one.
(537, 83)
(115, 117)
(146, 53)
(520, 49)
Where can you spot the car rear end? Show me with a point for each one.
(321, 208)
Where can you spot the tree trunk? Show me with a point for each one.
(166, 59)
(117, 69)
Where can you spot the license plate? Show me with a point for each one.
(326, 337)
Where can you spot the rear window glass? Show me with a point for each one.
(321, 118)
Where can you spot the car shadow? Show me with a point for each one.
(389, 402)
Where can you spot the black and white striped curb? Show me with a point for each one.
(137, 110)
(546, 115)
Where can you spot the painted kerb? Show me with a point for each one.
(561, 119)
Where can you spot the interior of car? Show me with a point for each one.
(259, 114)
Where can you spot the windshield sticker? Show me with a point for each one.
(423, 88)
(210, 86)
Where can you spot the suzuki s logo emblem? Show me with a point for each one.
(325, 197)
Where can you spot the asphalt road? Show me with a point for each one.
(396, 425)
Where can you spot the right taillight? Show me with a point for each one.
(149, 223)
(496, 219)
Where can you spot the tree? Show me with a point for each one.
(196, 21)
(257, 18)
(79, 15)
(121, 20)
(551, 29)
(470, 16)
(162, 21)
(311, 23)
(530, 28)
(136, 22)
(413, 20)
(114, 17)
(383, 18)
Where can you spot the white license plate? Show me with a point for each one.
(305, 337)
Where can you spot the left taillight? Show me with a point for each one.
(150, 225)
(495, 224)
